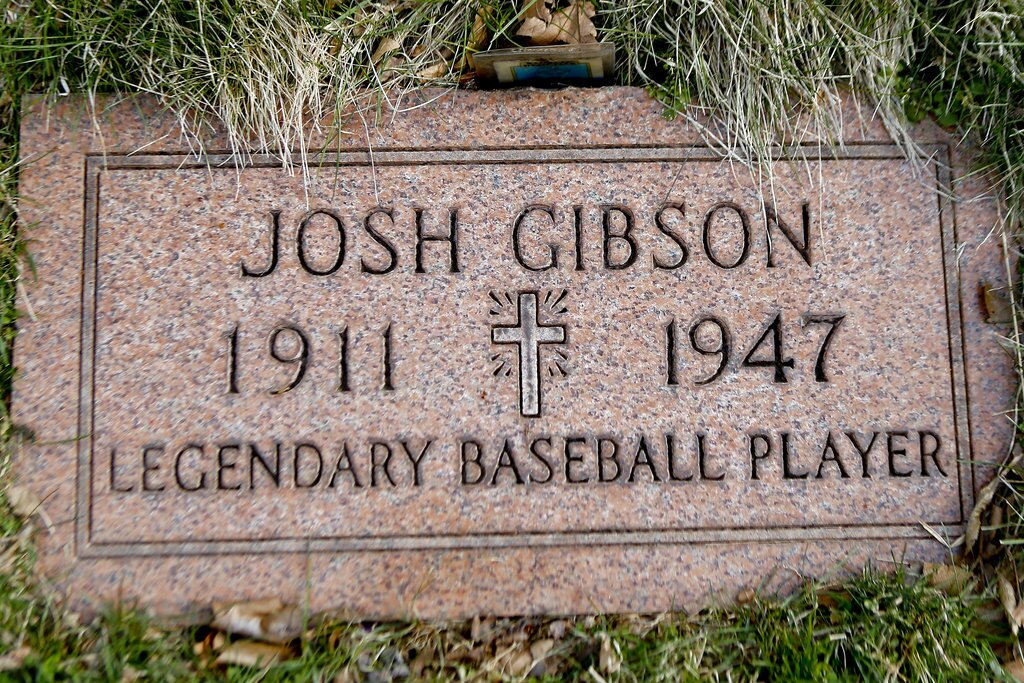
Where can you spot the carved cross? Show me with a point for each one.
(528, 334)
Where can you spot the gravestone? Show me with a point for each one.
(499, 353)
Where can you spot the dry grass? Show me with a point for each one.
(266, 72)
(749, 67)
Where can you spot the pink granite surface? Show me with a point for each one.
(139, 247)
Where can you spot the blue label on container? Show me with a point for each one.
(551, 72)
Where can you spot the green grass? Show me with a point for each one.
(262, 70)
(874, 627)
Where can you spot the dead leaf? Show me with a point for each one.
(23, 501)
(981, 504)
(251, 653)
(394, 63)
(384, 48)
(1015, 668)
(609, 660)
(1018, 614)
(478, 34)
(996, 303)
(571, 25)
(995, 520)
(346, 675)
(15, 659)
(746, 596)
(482, 630)
(473, 656)
(536, 9)
(948, 578)
(1008, 599)
(284, 626)
(270, 620)
(433, 71)
(540, 649)
(556, 629)
(534, 28)
(520, 664)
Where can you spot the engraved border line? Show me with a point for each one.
(519, 540)
(95, 164)
(491, 156)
